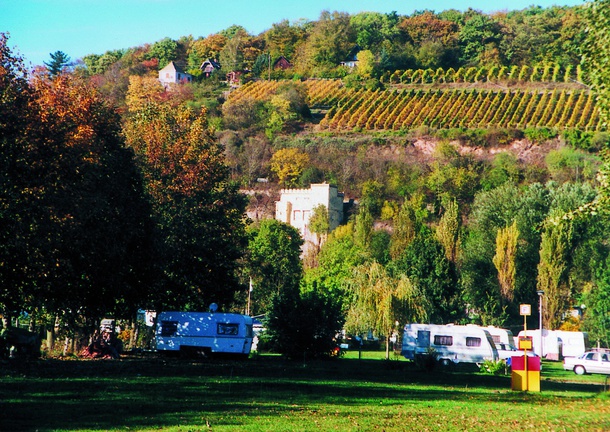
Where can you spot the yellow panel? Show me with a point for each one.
(518, 381)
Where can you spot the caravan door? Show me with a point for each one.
(423, 340)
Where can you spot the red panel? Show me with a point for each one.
(517, 363)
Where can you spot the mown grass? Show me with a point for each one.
(270, 394)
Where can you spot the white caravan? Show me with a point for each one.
(204, 332)
(557, 344)
(451, 343)
(501, 336)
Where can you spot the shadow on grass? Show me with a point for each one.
(155, 392)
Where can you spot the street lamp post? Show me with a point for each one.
(540, 294)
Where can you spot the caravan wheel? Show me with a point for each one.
(445, 363)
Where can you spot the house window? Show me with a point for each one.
(297, 215)
(443, 340)
(227, 329)
(473, 342)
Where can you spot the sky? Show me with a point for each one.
(80, 27)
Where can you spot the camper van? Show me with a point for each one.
(451, 343)
(206, 333)
(557, 344)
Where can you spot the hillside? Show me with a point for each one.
(465, 105)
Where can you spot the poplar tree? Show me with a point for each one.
(552, 271)
(505, 261)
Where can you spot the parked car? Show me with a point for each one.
(589, 362)
(507, 351)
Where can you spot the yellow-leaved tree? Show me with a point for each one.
(288, 164)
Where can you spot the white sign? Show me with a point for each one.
(525, 309)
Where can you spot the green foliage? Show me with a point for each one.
(303, 339)
(567, 164)
(371, 197)
(539, 135)
(273, 262)
(164, 51)
(425, 264)
(380, 300)
(491, 367)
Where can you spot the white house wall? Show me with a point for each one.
(296, 205)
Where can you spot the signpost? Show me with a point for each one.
(525, 370)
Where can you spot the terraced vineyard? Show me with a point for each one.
(395, 109)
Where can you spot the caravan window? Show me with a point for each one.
(227, 329)
(473, 341)
(168, 328)
(495, 338)
(443, 340)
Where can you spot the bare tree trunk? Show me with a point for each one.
(66, 346)
(50, 339)
(387, 347)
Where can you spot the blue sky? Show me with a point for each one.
(80, 27)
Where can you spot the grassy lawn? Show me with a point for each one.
(269, 394)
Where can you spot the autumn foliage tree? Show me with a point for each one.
(198, 211)
(288, 164)
(74, 231)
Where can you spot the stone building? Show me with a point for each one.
(295, 208)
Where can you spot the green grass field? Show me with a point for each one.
(267, 393)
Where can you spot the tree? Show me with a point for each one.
(504, 261)
(164, 51)
(597, 299)
(319, 223)
(405, 229)
(478, 34)
(288, 164)
(380, 301)
(448, 230)
(494, 210)
(274, 262)
(199, 212)
(282, 39)
(207, 48)
(552, 271)
(330, 40)
(425, 264)
(366, 64)
(373, 28)
(59, 61)
(596, 53)
(336, 259)
(310, 337)
(68, 184)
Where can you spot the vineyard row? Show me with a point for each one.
(350, 109)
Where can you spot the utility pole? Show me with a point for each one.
(540, 298)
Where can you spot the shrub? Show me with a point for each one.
(494, 367)
(427, 361)
(540, 135)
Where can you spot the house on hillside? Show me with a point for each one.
(173, 74)
(282, 63)
(352, 58)
(208, 67)
(295, 208)
(234, 78)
